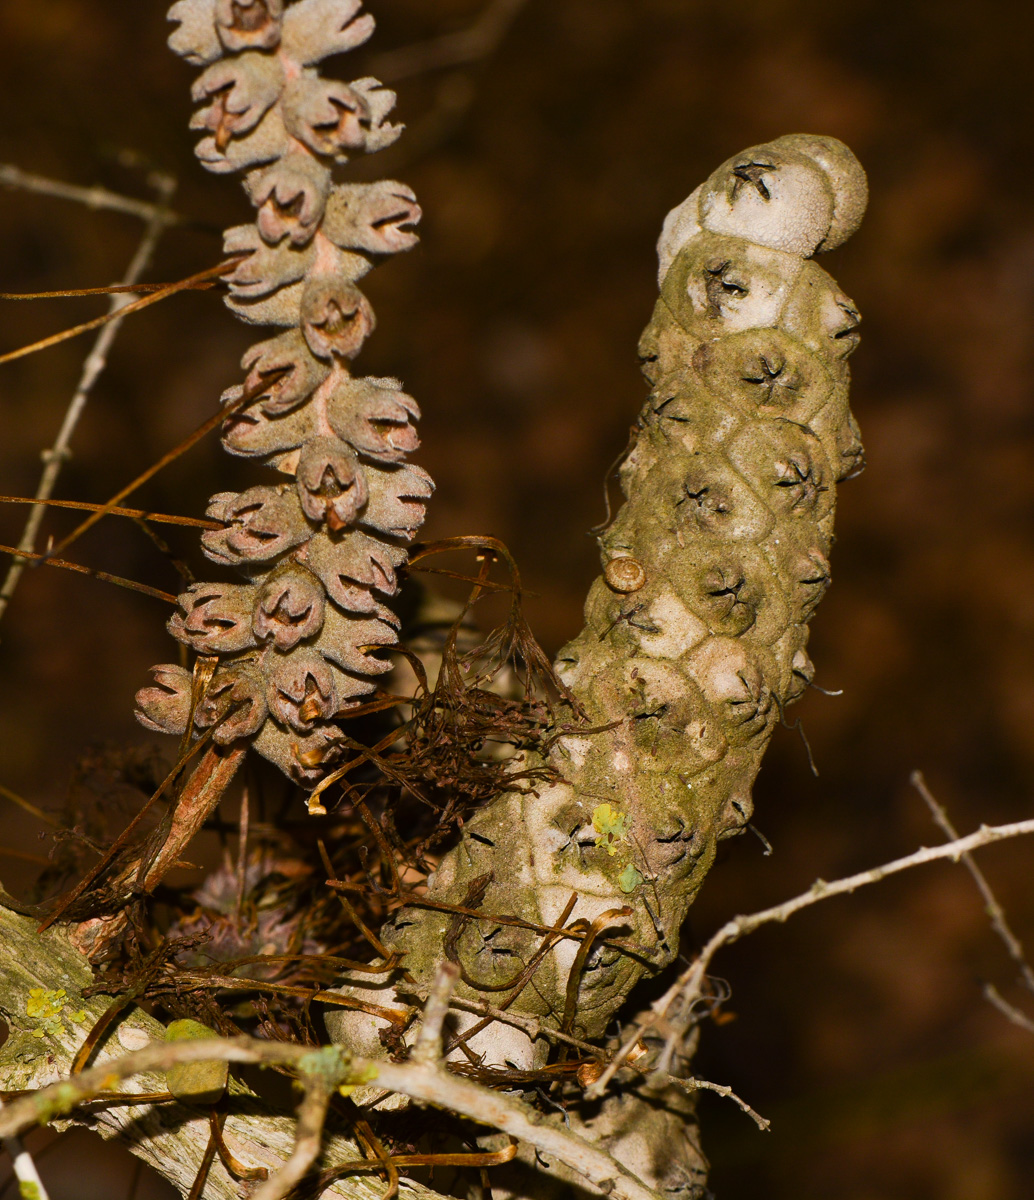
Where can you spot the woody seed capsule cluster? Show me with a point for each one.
(695, 633)
(297, 642)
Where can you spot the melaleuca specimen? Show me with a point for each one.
(297, 643)
(695, 633)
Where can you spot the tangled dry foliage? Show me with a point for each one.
(494, 825)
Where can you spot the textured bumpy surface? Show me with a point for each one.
(695, 634)
(297, 643)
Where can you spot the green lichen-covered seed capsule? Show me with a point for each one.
(199, 1084)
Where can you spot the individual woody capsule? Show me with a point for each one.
(290, 196)
(195, 38)
(165, 708)
(234, 705)
(300, 689)
(375, 217)
(351, 565)
(282, 372)
(291, 604)
(800, 193)
(352, 642)
(303, 757)
(335, 316)
(396, 505)
(215, 618)
(269, 140)
(252, 433)
(266, 268)
(249, 24)
(332, 118)
(766, 371)
(733, 680)
(236, 93)
(331, 483)
(375, 416)
(260, 524)
(315, 29)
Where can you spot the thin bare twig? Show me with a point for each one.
(478, 41)
(92, 197)
(673, 1011)
(994, 910)
(993, 996)
(158, 219)
(721, 1089)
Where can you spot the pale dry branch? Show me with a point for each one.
(158, 219)
(672, 1012)
(308, 1137)
(428, 1048)
(995, 912)
(332, 1067)
(29, 1182)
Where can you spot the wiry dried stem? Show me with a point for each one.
(158, 218)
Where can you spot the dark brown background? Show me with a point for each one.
(861, 1030)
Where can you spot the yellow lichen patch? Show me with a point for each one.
(48, 1007)
(611, 827)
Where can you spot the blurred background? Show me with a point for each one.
(545, 166)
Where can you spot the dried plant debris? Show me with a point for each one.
(696, 632)
(302, 640)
